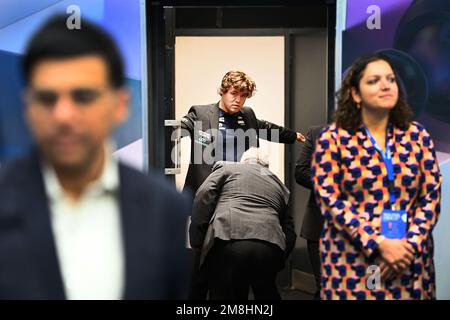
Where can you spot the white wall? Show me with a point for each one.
(200, 64)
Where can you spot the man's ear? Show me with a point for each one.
(122, 106)
(25, 94)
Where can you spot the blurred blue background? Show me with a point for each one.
(20, 18)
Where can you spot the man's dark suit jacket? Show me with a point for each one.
(242, 201)
(313, 220)
(208, 115)
(153, 218)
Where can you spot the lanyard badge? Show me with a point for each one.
(387, 159)
(393, 222)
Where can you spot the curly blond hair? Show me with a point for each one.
(238, 80)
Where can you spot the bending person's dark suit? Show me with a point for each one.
(313, 220)
(153, 221)
(241, 223)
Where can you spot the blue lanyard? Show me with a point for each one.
(387, 159)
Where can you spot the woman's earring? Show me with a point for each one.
(358, 106)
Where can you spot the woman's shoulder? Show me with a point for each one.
(416, 132)
(416, 128)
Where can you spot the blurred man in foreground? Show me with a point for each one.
(74, 222)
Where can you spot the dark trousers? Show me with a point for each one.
(235, 266)
(198, 284)
(314, 257)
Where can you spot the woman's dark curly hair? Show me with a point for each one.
(348, 116)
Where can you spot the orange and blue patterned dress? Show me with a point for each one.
(352, 188)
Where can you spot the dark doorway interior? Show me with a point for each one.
(309, 31)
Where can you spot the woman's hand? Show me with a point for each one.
(398, 253)
(387, 273)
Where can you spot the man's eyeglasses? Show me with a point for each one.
(49, 98)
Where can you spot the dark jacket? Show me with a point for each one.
(313, 220)
(207, 118)
(153, 218)
(242, 201)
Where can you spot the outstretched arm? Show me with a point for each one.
(284, 135)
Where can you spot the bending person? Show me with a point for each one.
(223, 131)
(241, 224)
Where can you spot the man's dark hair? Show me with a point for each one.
(54, 40)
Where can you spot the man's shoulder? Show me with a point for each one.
(246, 169)
(262, 177)
(221, 164)
(200, 112)
(231, 166)
(247, 110)
(151, 184)
(12, 170)
(143, 180)
(317, 129)
(314, 131)
(204, 107)
(16, 177)
(249, 115)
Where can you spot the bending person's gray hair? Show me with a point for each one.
(255, 155)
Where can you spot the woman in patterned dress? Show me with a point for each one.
(353, 189)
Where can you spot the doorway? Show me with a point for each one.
(186, 43)
(200, 63)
